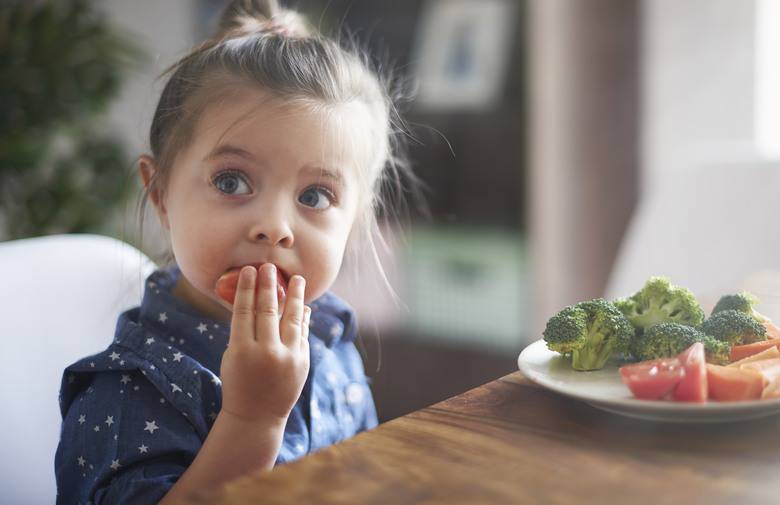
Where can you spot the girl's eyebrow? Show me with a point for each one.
(325, 173)
(226, 149)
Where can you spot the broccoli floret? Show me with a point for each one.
(665, 340)
(715, 351)
(734, 327)
(742, 302)
(659, 301)
(590, 332)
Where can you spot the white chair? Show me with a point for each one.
(59, 299)
(713, 229)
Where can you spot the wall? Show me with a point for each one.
(165, 31)
(698, 84)
(583, 96)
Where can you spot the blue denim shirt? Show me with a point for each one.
(136, 414)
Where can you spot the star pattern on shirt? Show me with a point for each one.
(151, 426)
(194, 337)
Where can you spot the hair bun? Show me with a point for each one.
(258, 16)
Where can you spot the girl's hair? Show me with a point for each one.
(260, 44)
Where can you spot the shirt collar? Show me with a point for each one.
(179, 323)
(206, 339)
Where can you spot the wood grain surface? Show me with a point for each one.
(511, 442)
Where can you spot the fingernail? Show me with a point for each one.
(248, 272)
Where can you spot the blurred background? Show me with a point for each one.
(570, 150)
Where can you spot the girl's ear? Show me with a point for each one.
(147, 168)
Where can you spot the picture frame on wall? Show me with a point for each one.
(461, 53)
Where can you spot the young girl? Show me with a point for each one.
(268, 146)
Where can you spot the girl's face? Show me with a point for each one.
(262, 182)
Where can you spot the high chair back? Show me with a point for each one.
(60, 297)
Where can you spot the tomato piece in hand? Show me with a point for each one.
(693, 386)
(653, 379)
(227, 285)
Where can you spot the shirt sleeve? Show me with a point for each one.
(357, 393)
(121, 442)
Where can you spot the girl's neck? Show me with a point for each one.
(185, 292)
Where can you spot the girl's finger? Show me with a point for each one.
(267, 306)
(306, 320)
(242, 325)
(292, 319)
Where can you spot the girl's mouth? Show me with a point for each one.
(227, 285)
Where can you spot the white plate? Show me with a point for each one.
(604, 390)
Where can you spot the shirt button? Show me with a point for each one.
(354, 393)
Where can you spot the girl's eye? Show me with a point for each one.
(231, 182)
(317, 198)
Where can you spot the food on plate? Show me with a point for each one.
(589, 332)
(665, 340)
(682, 378)
(653, 379)
(659, 301)
(771, 391)
(734, 327)
(739, 352)
(770, 353)
(768, 368)
(227, 285)
(734, 355)
(688, 378)
(741, 302)
(693, 386)
(728, 383)
(746, 302)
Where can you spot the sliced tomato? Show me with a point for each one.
(739, 352)
(693, 386)
(727, 383)
(227, 285)
(653, 379)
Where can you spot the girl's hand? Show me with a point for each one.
(267, 360)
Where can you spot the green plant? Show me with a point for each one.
(60, 66)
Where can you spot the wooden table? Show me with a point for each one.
(512, 442)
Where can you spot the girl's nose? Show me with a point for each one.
(274, 231)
